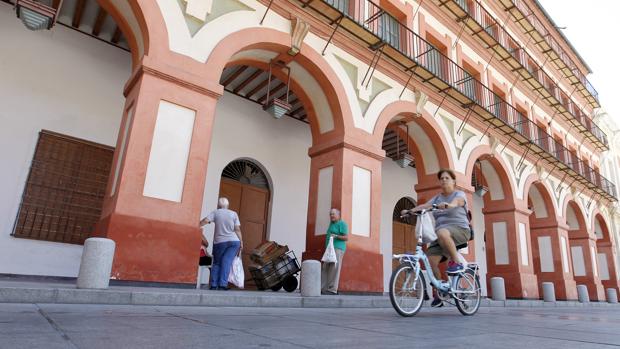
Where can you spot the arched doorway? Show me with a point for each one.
(403, 236)
(246, 186)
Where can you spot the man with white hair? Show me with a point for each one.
(330, 272)
(227, 242)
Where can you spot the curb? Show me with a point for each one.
(232, 299)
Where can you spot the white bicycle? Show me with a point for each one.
(408, 284)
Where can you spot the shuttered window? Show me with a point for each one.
(64, 193)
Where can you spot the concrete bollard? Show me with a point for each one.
(310, 278)
(548, 291)
(582, 294)
(612, 296)
(498, 288)
(96, 264)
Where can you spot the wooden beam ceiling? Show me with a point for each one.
(79, 11)
(247, 81)
(234, 75)
(117, 35)
(101, 16)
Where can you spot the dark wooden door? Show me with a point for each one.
(252, 205)
(403, 239)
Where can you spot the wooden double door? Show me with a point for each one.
(252, 205)
(403, 239)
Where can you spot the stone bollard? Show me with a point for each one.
(310, 278)
(582, 294)
(548, 291)
(612, 296)
(96, 264)
(498, 288)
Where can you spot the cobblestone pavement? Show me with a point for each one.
(122, 326)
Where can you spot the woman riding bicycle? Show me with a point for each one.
(451, 225)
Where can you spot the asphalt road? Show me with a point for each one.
(103, 326)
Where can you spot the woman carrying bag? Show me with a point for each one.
(335, 239)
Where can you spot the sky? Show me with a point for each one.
(593, 28)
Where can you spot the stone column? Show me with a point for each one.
(584, 256)
(551, 255)
(509, 253)
(154, 196)
(610, 280)
(347, 177)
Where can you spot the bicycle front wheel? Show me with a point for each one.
(407, 290)
(468, 293)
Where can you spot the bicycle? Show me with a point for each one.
(462, 287)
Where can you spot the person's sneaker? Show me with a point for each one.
(437, 302)
(454, 267)
(213, 288)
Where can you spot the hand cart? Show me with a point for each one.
(280, 272)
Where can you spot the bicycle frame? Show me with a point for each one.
(448, 287)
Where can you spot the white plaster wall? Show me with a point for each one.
(396, 182)
(243, 130)
(58, 80)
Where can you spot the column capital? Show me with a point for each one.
(175, 75)
(329, 146)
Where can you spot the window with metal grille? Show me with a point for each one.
(64, 193)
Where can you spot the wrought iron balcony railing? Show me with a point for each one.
(387, 36)
(482, 25)
(549, 46)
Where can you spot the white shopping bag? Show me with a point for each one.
(330, 253)
(236, 276)
(425, 228)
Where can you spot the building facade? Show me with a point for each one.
(289, 108)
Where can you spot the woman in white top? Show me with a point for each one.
(227, 242)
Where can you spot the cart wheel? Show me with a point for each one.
(290, 283)
(276, 288)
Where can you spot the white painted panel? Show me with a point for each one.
(500, 240)
(546, 254)
(579, 266)
(564, 248)
(360, 220)
(593, 257)
(603, 267)
(324, 200)
(525, 260)
(165, 172)
(121, 153)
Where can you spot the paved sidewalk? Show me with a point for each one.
(19, 291)
(73, 326)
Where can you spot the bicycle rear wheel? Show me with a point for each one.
(468, 293)
(406, 291)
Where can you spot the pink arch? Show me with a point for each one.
(498, 164)
(279, 42)
(534, 180)
(425, 121)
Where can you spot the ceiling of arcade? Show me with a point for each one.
(88, 17)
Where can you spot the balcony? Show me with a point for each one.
(526, 18)
(482, 25)
(382, 33)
